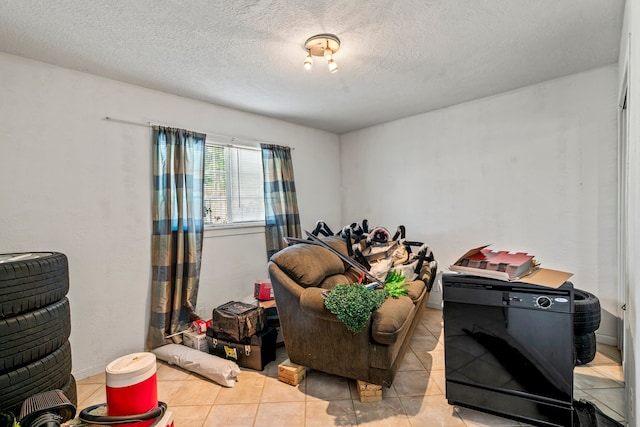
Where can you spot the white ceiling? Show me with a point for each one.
(398, 58)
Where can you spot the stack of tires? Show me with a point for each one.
(35, 324)
(586, 320)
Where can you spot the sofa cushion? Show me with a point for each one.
(340, 245)
(308, 265)
(391, 319)
(330, 282)
(337, 243)
(415, 290)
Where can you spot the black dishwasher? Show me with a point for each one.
(509, 348)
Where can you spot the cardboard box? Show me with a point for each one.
(538, 276)
(254, 353)
(263, 291)
(290, 373)
(195, 340)
(268, 305)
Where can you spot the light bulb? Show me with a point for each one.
(308, 62)
(328, 54)
(333, 66)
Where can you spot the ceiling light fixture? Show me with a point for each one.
(308, 62)
(325, 45)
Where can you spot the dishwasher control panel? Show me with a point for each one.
(539, 301)
(543, 302)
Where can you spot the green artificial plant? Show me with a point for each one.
(396, 284)
(353, 304)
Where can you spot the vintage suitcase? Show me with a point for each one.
(254, 353)
(236, 321)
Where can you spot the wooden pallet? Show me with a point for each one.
(369, 392)
(291, 373)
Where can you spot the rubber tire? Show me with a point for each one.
(586, 312)
(585, 348)
(30, 336)
(26, 285)
(49, 373)
(7, 419)
(70, 390)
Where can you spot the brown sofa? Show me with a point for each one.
(315, 338)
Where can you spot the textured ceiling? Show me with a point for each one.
(398, 58)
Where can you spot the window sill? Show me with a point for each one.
(233, 229)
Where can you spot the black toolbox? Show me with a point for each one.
(254, 352)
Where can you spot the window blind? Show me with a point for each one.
(233, 186)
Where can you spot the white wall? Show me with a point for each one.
(533, 170)
(630, 42)
(75, 183)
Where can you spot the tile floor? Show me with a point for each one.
(416, 397)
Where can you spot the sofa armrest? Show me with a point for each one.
(312, 304)
(392, 320)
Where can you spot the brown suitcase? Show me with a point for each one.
(238, 321)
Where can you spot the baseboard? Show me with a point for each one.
(607, 339)
(87, 372)
(435, 302)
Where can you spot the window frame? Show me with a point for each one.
(228, 228)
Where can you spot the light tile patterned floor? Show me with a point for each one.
(416, 397)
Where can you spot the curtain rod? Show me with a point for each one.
(213, 134)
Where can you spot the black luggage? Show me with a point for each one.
(254, 353)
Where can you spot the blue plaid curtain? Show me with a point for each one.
(280, 201)
(178, 172)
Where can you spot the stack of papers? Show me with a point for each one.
(509, 266)
(500, 264)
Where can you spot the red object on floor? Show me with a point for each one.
(132, 386)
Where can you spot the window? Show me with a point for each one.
(233, 185)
